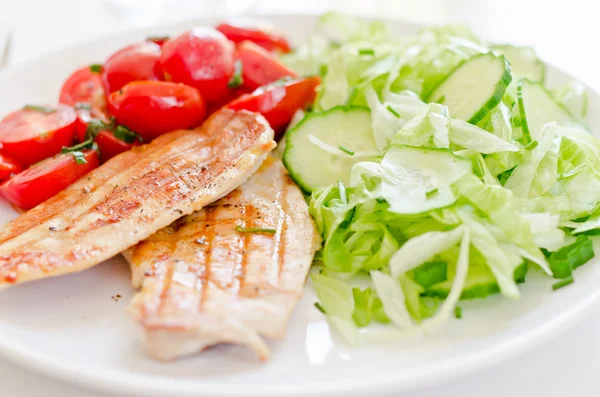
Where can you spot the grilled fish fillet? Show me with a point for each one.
(205, 281)
(132, 196)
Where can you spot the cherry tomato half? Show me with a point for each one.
(46, 178)
(153, 108)
(35, 133)
(84, 86)
(8, 166)
(136, 62)
(110, 145)
(202, 58)
(260, 67)
(239, 31)
(278, 102)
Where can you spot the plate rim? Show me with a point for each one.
(113, 381)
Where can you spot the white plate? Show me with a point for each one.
(73, 329)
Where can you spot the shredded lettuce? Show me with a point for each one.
(444, 209)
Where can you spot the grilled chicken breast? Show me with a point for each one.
(132, 196)
(232, 272)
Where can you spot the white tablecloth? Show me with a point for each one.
(564, 33)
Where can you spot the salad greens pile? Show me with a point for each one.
(437, 167)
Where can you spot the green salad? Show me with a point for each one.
(438, 167)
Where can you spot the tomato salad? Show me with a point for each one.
(140, 92)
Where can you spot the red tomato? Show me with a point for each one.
(202, 58)
(43, 180)
(133, 63)
(84, 116)
(110, 145)
(238, 32)
(8, 166)
(278, 102)
(260, 67)
(84, 86)
(35, 133)
(153, 108)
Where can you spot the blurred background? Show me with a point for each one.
(564, 33)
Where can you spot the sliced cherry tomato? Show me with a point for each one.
(160, 40)
(202, 58)
(84, 117)
(110, 145)
(278, 102)
(46, 178)
(240, 31)
(35, 133)
(84, 86)
(136, 62)
(260, 67)
(153, 108)
(8, 166)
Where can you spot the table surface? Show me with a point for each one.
(563, 33)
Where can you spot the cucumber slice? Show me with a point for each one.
(475, 87)
(480, 283)
(537, 107)
(524, 63)
(345, 127)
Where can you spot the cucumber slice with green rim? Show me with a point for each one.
(475, 87)
(524, 63)
(537, 107)
(345, 129)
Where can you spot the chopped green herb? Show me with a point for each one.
(562, 283)
(323, 70)
(83, 106)
(242, 229)
(441, 100)
(126, 135)
(87, 144)
(342, 190)
(393, 111)
(458, 312)
(40, 109)
(79, 157)
(321, 308)
(236, 80)
(366, 51)
(94, 127)
(381, 200)
(96, 68)
(346, 150)
(431, 192)
(531, 145)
